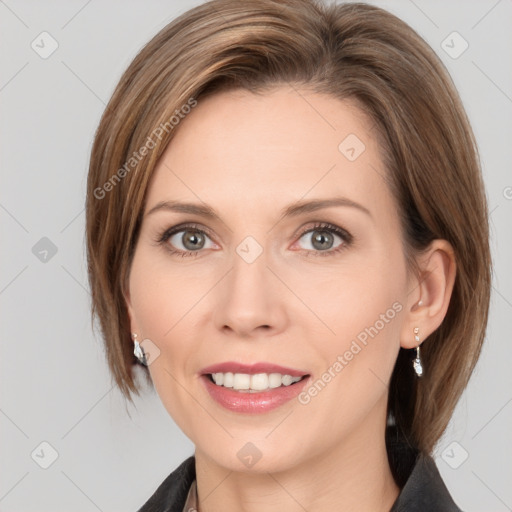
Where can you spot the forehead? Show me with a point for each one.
(267, 150)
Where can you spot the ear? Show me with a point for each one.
(434, 288)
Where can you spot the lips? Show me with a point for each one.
(249, 400)
(234, 367)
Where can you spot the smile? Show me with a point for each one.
(256, 388)
(245, 382)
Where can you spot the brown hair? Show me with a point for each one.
(350, 51)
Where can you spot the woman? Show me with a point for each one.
(287, 227)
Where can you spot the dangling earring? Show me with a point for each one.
(139, 351)
(418, 367)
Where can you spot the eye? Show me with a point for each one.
(186, 240)
(191, 240)
(325, 239)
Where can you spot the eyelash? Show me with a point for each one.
(320, 226)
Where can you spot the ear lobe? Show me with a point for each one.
(434, 288)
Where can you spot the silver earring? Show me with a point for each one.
(139, 351)
(417, 365)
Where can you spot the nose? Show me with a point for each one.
(251, 299)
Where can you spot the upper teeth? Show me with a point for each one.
(256, 382)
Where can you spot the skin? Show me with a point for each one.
(249, 156)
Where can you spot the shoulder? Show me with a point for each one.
(424, 490)
(171, 494)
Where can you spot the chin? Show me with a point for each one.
(258, 457)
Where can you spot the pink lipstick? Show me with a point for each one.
(255, 388)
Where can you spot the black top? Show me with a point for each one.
(423, 488)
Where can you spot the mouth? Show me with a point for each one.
(253, 383)
(256, 388)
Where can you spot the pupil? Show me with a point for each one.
(193, 238)
(320, 239)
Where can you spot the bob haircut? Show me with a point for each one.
(353, 52)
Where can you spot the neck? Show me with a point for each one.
(351, 476)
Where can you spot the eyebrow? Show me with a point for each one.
(293, 210)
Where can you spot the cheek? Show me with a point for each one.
(360, 308)
(162, 294)
(163, 301)
(160, 313)
(365, 313)
(357, 296)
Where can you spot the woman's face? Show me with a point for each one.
(320, 292)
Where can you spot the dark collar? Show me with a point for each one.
(424, 490)
(171, 495)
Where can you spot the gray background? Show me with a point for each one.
(55, 387)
